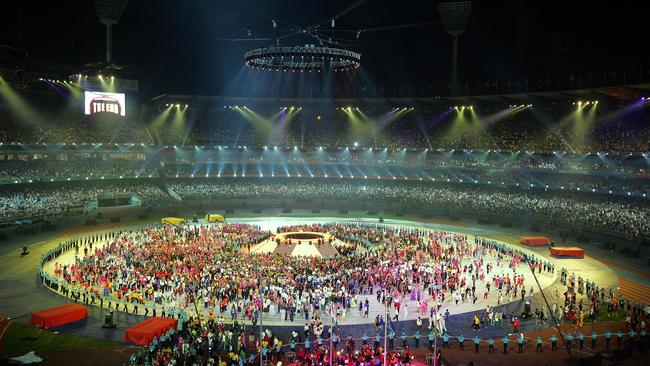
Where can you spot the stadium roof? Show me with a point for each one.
(197, 47)
(623, 93)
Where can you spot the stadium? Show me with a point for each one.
(337, 183)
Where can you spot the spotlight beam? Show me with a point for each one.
(19, 107)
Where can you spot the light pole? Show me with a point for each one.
(435, 346)
(331, 332)
(555, 321)
(109, 12)
(385, 331)
(261, 312)
(454, 16)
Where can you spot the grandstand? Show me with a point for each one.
(589, 120)
(376, 206)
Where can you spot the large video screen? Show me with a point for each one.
(102, 102)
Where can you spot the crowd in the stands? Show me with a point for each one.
(531, 129)
(600, 212)
(46, 202)
(44, 170)
(588, 174)
(632, 217)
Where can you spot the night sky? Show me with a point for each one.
(186, 46)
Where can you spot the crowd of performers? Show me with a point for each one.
(207, 272)
(213, 341)
(168, 270)
(588, 308)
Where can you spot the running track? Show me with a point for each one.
(634, 290)
(80, 230)
(5, 323)
(631, 289)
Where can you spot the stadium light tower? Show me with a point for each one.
(454, 16)
(109, 12)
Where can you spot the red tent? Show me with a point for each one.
(534, 240)
(53, 317)
(144, 332)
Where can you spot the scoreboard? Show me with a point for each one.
(104, 102)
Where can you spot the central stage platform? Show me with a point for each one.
(299, 243)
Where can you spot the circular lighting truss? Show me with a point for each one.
(302, 59)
